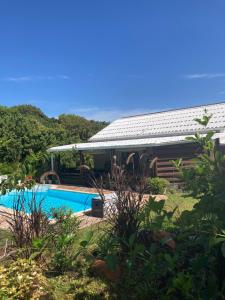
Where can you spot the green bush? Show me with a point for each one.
(90, 289)
(22, 279)
(8, 168)
(158, 185)
(62, 239)
(82, 288)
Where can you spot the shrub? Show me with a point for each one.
(158, 185)
(62, 237)
(82, 288)
(22, 279)
(90, 289)
(204, 225)
(7, 168)
(65, 221)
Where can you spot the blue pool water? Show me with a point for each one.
(75, 201)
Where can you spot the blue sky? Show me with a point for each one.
(107, 58)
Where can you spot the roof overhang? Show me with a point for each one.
(127, 144)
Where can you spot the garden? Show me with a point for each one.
(166, 249)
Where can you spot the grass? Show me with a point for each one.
(85, 287)
(97, 230)
(181, 201)
(4, 235)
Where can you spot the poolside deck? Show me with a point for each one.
(93, 190)
(3, 223)
(77, 189)
(85, 218)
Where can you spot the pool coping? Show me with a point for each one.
(79, 189)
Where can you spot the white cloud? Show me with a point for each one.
(204, 75)
(34, 78)
(63, 77)
(111, 114)
(17, 79)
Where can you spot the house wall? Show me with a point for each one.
(163, 167)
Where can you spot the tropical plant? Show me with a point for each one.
(154, 214)
(204, 225)
(204, 180)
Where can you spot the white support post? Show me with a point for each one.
(52, 161)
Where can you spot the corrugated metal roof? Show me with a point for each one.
(125, 144)
(169, 123)
(154, 129)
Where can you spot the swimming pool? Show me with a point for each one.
(76, 201)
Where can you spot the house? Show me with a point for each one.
(159, 137)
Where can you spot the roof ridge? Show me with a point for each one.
(170, 110)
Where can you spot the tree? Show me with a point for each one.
(25, 131)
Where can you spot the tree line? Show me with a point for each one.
(26, 131)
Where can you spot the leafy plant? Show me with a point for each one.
(154, 215)
(17, 182)
(63, 236)
(23, 279)
(205, 224)
(158, 185)
(206, 177)
(81, 288)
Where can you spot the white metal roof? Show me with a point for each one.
(162, 128)
(125, 144)
(168, 123)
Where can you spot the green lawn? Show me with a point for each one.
(4, 234)
(181, 201)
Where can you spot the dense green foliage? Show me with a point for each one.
(82, 288)
(22, 279)
(25, 130)
(158, 185)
